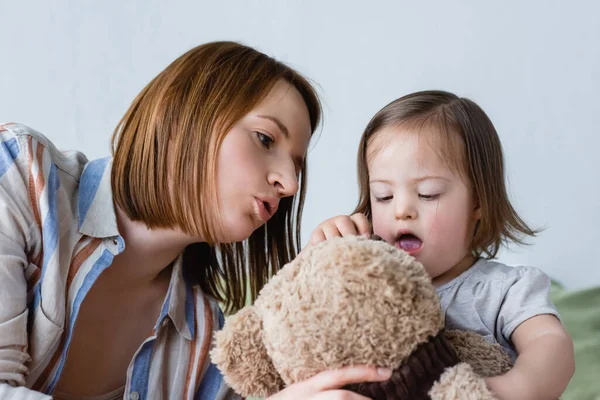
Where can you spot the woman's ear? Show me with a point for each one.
(241, 356)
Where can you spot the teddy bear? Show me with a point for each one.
(354, 301)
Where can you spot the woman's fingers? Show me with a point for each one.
(327, 384)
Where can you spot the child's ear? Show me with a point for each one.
(241, 357)
(477, 209)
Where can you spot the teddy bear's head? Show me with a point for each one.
(345, 301)
(351, 301)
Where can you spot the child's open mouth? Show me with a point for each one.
(409, 243)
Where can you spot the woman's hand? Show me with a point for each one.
(328, 384)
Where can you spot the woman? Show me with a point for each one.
(111, 270)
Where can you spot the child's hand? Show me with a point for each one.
(342, 225)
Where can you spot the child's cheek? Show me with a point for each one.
(382, 226)
(449, 229)
(443, 227)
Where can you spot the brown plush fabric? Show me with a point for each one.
(241, 356)
(353, 301)
(485, 358)
(414, 378)
(460, 383)
(347, 301)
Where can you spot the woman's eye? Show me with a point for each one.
(429, 196)
(383, 199)
(265, 140)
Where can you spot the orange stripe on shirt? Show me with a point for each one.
(41, 380)
(34, 278)
(192, 361)
(76, 263)
(32, 184)
(208, 327)
(33, 196)
(206, 341)
(80, 257)
(40, 181)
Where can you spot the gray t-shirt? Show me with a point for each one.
(493, 299)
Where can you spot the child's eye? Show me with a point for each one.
(265, 140)
(383, 199)
(429, 196)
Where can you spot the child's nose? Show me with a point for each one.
(405, 210)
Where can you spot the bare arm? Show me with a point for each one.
(545, 363)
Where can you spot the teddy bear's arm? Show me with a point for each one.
(460, 383)
(242, 358)
(486, 359)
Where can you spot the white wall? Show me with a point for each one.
(71, 68)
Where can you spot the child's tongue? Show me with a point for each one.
(409, 243)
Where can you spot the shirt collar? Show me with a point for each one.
(97, 218)
(96, 211)
(180, 302)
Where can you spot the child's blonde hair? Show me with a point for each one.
(469, 144)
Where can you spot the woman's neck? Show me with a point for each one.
(147, 253)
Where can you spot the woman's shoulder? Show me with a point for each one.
(35, 149)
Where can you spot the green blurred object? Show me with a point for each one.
(580, 313)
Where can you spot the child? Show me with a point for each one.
(431, 179)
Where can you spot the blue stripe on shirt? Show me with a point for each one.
(101, 264)
(9, 151)
(50, 228)
(213, 379)
(209, 387)
(164, 312)
(89, 182)
(189, 308)
(141, 370)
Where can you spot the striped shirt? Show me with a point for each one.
(58, 232)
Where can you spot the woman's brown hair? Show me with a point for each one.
(168, 138)
(469, 144)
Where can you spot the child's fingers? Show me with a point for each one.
(342, 225)
(362, 224)
(317, 236)
(346, 226)
(331, 231)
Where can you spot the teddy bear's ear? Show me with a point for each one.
(241, 357)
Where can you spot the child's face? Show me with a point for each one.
(419, 204)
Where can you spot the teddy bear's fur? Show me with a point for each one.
(353, 301)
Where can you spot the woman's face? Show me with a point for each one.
(259, 161)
